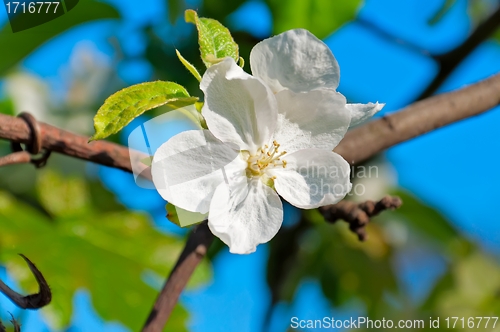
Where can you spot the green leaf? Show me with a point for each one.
(7, 107)
(189, 66)
(172, 214)
(108, 253)
(184, 218)
(127, 104)
(215, 40)
(199, 105)
(345, 268)
(468, 289)
(69, 197)
(430, 223)
(147, 161)
(320, 17)
(22, 43)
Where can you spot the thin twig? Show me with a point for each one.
(419, 118)
(368, 24)
(196, 248)
(449, 61)
(21, 157)
(33, 301)
(358, 215)
(15, 324)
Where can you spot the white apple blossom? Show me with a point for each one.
(298, 61)
(271, 133)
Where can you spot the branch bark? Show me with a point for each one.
(21, 157)
(73, 145)
(419, 118)
(358, 215)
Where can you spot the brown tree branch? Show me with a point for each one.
(73, 145)
(33, 301)
(196, 248)
(358, 145)
(358, 215)
(419, 118)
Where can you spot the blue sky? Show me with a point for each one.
(452, 169)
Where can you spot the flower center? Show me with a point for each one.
(265, 158)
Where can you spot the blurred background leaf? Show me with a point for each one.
(175, 9)
(77, 246)
(370, 272)
(23, 43)
(6, 107)
(320, 17)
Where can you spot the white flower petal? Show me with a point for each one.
(313, 178)
(188, 168)
(295, 60)
(362, 112)
(239, 108)
(315, 119)
(246, 218)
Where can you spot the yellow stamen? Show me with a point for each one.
(266, 157)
